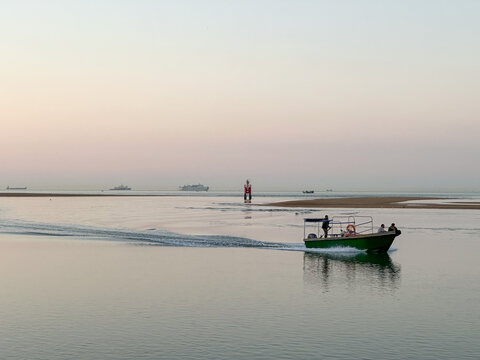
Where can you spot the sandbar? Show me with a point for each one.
(379, 202)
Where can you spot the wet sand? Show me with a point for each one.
(378, 202)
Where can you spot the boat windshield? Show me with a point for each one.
(339, 226)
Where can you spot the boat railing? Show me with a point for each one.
(339, 226)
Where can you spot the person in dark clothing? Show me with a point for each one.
(392, 227)
(326, 226)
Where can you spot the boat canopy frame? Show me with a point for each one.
(362, 224)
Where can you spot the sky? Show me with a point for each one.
(348, 95)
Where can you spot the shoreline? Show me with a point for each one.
(77, 195)
(388, 202)
(397, 202)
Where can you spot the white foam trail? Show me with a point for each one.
(158, 237)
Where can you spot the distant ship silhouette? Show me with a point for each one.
(198, 187)
(121, 187)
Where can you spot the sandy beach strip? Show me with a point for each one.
(378, 202)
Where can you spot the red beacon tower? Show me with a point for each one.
(247, 190)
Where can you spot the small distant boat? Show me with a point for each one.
(198, 187)
(308, 191)
(121, 187)
(16, 188)
(329, 190)
(348, 231)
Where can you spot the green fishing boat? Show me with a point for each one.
(347, 231)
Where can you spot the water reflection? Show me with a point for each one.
(329, 270)
(247, 213)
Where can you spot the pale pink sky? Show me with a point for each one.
(294, 94)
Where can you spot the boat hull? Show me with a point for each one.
(379, 242)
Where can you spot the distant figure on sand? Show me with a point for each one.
(382, 228)
(325, 226)
(247, 190)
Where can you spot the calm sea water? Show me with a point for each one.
(208, 277)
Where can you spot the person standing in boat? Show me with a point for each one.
(382, 228)
(326, 226)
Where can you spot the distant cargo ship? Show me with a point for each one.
(121, 187)
(16, 188)
(198, 187)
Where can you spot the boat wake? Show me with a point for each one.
(154, 237)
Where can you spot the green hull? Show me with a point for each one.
(379, 242)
